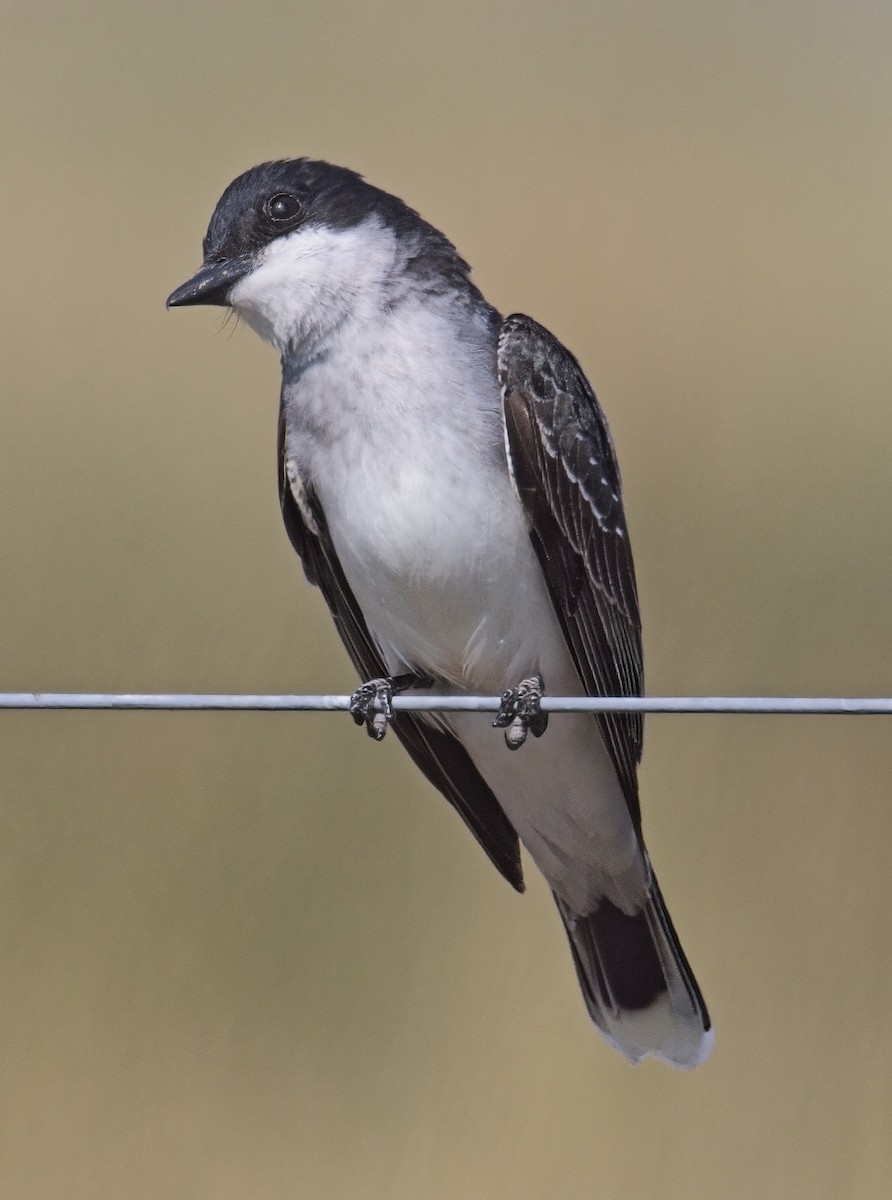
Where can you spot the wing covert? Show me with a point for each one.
(564, 466)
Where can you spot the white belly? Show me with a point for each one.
(440, 561)
(449, 582)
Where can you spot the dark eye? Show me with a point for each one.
(282, 207)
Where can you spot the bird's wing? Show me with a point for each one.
(439, 755)
(564, 467)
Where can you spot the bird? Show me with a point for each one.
(449, 481)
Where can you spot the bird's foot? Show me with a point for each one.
(372, 705)
(521, 712)
(372, 702)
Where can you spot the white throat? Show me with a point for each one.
(307, 283)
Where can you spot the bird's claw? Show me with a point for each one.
(372, 705)
(521, 712)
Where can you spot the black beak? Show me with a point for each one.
(211, 283)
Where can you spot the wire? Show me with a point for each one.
(810, 705)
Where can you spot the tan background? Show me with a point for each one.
(255, 956)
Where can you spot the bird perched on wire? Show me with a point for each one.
(450, 484)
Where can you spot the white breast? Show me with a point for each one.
(401, 438)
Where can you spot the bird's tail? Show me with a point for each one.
(637, 985)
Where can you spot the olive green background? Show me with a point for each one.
(255, 956)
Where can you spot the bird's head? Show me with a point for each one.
(297, 247)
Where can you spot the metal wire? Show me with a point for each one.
(810, 705)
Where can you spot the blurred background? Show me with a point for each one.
(255, 955)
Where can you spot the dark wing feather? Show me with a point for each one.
(566, 473)
(438, 754)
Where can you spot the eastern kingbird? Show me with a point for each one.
(449, 481)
